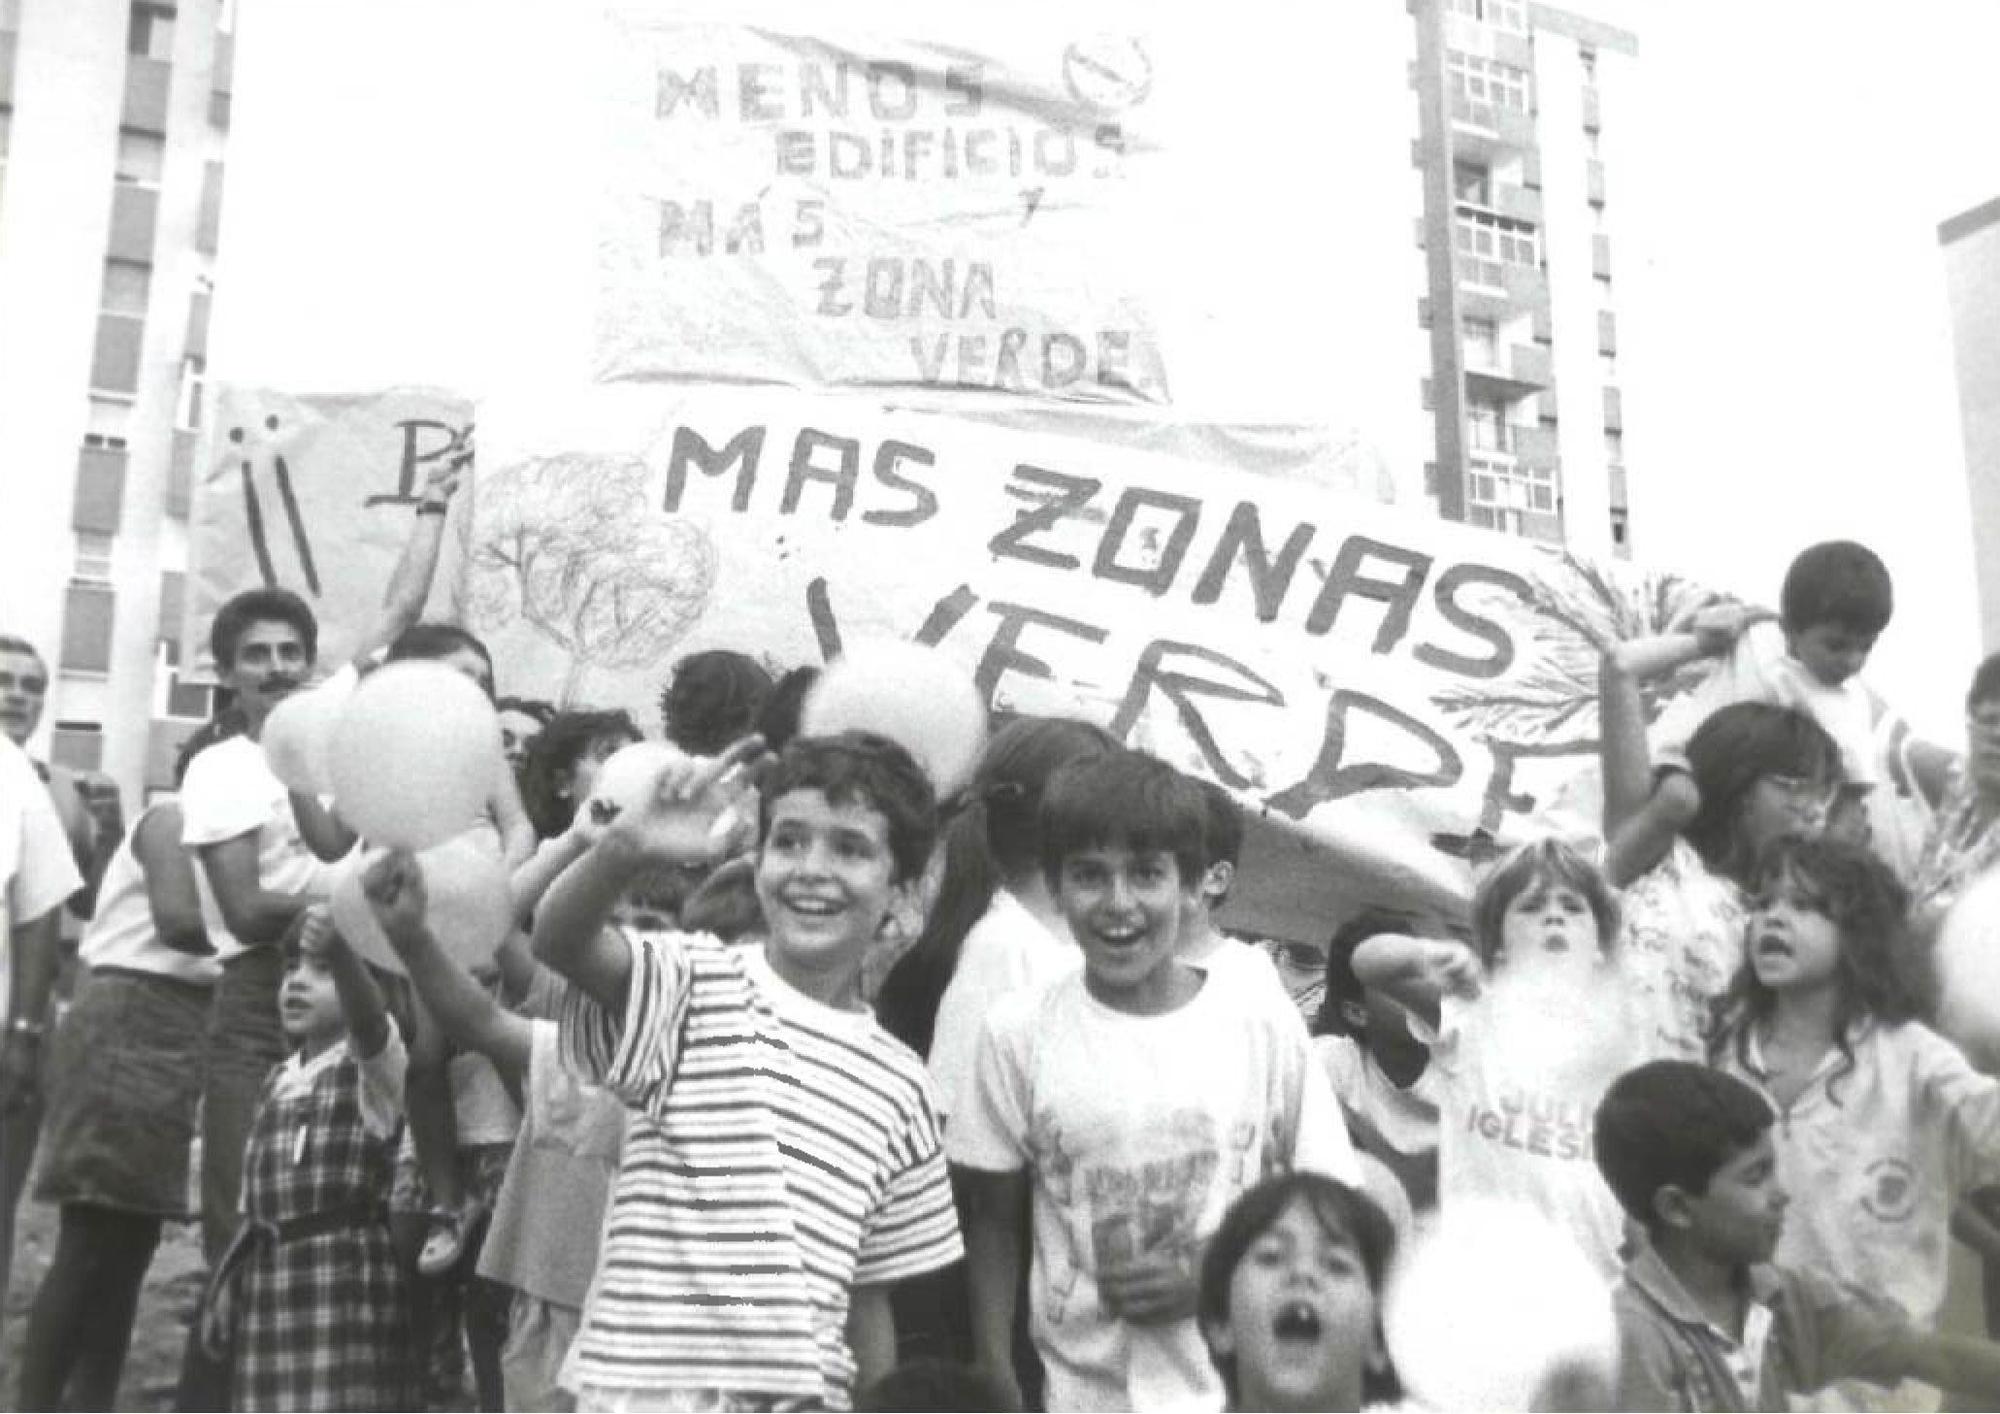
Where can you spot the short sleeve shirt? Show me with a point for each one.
(37, 870)
(229, 791)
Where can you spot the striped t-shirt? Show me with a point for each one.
(780, 1154)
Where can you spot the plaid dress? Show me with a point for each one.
(325, 1313)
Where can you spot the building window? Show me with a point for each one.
(1487, 244)
(140, 157)
(1621, 530)
(77, 745)
(1482, 342)
(1471, 183)
(1500, 494)
(1501, 14)
(1480, 87)
(126, 287)
(86, 641)
(1614, 448)
(189, 701)
(92, 563)
(187, 405)
(152, 33)
(1607, 367)
(1486, 427)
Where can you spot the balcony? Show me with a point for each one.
(134, 212)
(1593, 117)
(98, 500)
(197, 327)
(208, 233)
(1607, 332)
(1535, 447)
(8, 43)
(1614, 410)
(1524, 369)
(222, 81)
(1488, 133)
(1593, 181)
(146, 83)
(180, 473)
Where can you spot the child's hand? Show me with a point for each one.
(318, 938)
(694, 813)
(1149, 1290)
(394, 886)
(1717, 624)
(1455, 968)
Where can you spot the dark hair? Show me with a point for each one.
(725, 903)
(1342, 986)
(533, 708)
(1734, 748)
(220, 727)
(907, 1004)
(256, 606)
(1222, 837)
(1546, 860)
(1125, 798)
(1985, 683)
(1012, 774)
(930, 1383)
(1672, 1122)
(1853, 888)
(436, 640)
(1338, 1209)
(712, 700)
(778, 719)
(861, 767)
(1837, 582)
(553, 755)
(10, 644)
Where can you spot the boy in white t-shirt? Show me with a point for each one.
(1136, 1098)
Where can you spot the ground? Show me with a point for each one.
(172, 1287)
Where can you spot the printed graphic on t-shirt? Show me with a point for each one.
(1549, 1126)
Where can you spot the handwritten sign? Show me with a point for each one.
(865, 211)
(314, 494)
(1384, 690)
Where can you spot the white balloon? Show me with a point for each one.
(914, 695)
(298, 736)
(1968, 970)
(1493, 1304)
(629, 775)
(467, 905)
(412, 755)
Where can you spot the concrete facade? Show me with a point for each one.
(1971, 242)
(116, 114)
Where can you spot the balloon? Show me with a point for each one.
(1968, 970)
(298, 736)
(629, 775)
(412, 755)
(1496, 1308)
(467, 905)
(916, 696)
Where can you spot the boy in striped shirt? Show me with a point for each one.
(782, 1165)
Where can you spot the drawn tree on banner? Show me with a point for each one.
(569, 545)
(1574, 610)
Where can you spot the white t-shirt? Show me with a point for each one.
(1876, 1158)
(122, 934)
(37, 870)
(230, 791)
(1138, 1131)
(1520, 1072)
(1406, 1120)
(1007, 949)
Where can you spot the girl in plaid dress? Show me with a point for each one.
(311, 1288)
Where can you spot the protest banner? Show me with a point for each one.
(1386, 692)
(854, 209)
(314, 494)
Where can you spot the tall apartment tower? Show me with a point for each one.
(1517, 105)
(113, 118)
(1971, 242)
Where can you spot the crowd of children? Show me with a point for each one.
(795, 1086)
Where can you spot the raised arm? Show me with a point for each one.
(360, 999)
(394, 885)
(410, 582)
(1417, 973)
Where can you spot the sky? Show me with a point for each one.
(1787, 355)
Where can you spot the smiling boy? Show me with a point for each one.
(781, 1165)
(1136, 1098)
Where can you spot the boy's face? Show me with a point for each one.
(1124, 908)
(24, 690)
(1739, 1217)
(1549, 919)
(825, 877)
(269, 665)
(1829, 652)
